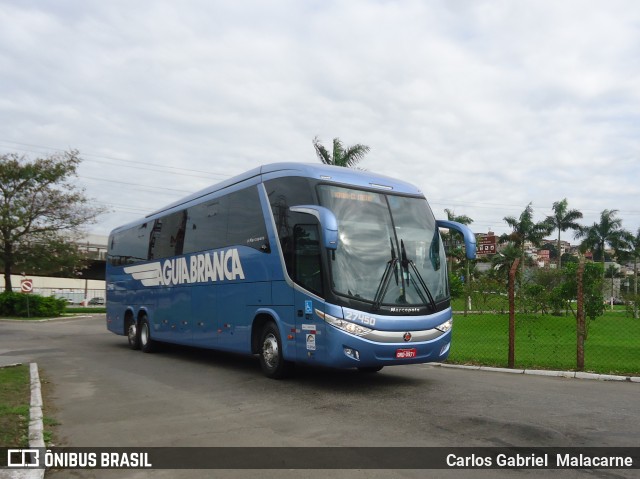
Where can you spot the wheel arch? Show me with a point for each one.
(128, 317)
(142, 313)
(262, 317)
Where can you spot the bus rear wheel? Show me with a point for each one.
(146, 343)
(133, 334)
(271, 360)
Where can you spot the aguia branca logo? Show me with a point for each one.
(197, 268)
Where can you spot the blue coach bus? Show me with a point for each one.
(293, 262)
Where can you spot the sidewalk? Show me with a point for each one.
(544, 372)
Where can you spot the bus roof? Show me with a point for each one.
(333, 174)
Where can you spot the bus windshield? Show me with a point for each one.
(390, 253)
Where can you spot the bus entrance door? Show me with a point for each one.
(310, 328)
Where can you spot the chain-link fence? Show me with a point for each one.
(558, 320)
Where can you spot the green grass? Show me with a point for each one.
(15, 396)
(548, 342)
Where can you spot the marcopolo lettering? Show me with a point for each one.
(197, 268)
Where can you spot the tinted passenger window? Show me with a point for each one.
(284, 193)
(245, 225)
(298, 239)
(307, 263)
(129, 246)
(234, 219)
(206, 226)
(167, 236)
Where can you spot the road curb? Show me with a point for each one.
(543, 372)
(36, 426)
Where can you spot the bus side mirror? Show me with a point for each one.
(328, 222)
(467, 234)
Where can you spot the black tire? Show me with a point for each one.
(272, 362)
(370, 370)
(133, 334)
(147, 345)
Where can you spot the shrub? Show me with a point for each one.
(30, 305)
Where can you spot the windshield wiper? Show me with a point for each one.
(406, 262)
(383, 286)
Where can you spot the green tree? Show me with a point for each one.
(41, 209)
(501, 262)
(455, 251)
(630, 249)
(525, 229)
(563, 219)
(606, 232)
(592, 283)
(341, 156)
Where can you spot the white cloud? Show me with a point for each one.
(485, 105)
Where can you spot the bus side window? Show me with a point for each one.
(245, 224)
(129, 246)
(206, 226)
(284, 193)
(307, 265)
(167, 235)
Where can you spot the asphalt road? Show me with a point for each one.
(104, 394)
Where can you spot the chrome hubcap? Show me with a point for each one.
(133, 331)
(144, 334)
(270, 351)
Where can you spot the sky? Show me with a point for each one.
(486, 106)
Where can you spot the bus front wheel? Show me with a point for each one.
(271, 360)
(146, 343)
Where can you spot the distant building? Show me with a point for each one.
(95, 246)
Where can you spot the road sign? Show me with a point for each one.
(26, 285)
(486, 245)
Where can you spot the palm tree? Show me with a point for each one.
(524, 229)
(607, 232)
(502, 261)
(563, 219)
(341, 156)
(451, 216)
(632, 251)
(634, 246)
(453, 246)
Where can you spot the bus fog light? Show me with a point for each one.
(352, 353)
(445, 349)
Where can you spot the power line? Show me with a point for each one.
(163, 188)
(127, 163)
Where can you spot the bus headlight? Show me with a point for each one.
(446, 326)
(346, 326)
